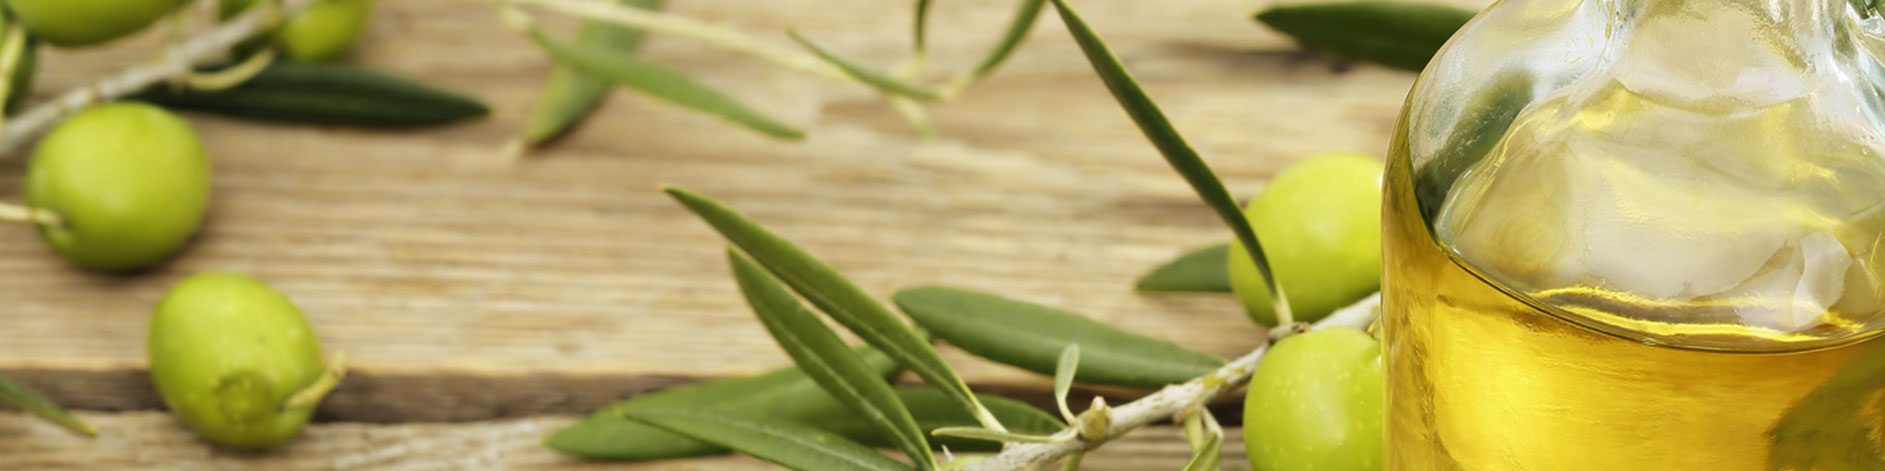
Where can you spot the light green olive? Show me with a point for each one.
(325, 31)
(236, 361)
(1316, 403)
(76, 23)
(1320, 225)
(129, 181)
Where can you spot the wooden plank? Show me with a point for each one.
(154, 442)
(466, 285)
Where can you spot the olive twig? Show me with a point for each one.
(311, 395)
(1164, 404)
(720, 37)
(174, 62)
(31, 215)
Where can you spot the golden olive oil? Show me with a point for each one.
(1480, 380)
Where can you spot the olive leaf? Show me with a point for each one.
(996, 436)
(935, 409)
(1204, 270)
(787, 444)
(570, 95)
(1024, 16)
(836, 296)
(1063, 378)
(1398, 34)
(785, 394)
(920, 28)
(1032, 337)
(1208, 443)
(1822, 431)
(297, 92)
(661, 82)
(822, 355)
(1179, 154)
(864, 73)
(13, 394)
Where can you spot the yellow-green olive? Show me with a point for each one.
(1317, 402)
(236, 361)
(325, 31)
(1320, 225)
(75, 23)
(129, 182)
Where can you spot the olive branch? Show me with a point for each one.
(175, 63)
(774, 274)
(778, 274)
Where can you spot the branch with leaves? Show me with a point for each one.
(591, 56)
(771, 270)
(176, 62)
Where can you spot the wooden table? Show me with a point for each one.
(484, 300)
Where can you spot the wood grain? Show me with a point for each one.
(150, 441)
(468, 285)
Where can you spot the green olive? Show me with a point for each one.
(129, 182)
(76, 23)
(236, 361)
(1320, 225)
(325, 31)
(1316, 403)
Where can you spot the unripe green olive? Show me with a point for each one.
(1320, 225)
(1317, 403)
(75, 23)
(129, 182)
(236, 361)
(325, 31)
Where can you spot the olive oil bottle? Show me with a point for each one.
(1641, 235)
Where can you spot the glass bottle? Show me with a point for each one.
(1641, 235)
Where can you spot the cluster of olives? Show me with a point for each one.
(1316, 402)
(128, 185)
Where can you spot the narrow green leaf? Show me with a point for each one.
(870, 76)
(1198, 271)
(1208, 457)
(1024, 16)
(661, 82)
(784, 394)
(1179, 154)
(1822, 431)
(935, 409)
(13, 394)
(1032, 337)
(1398, 34)
(978, 433)
(920, 28)
(836, 296)
(569, 95)
(783, 443)
(296, 92)
(1063, 378)
(822, 355)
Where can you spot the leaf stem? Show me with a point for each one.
(712, 35)
(1166, 403)
(330, 377)
(175, 61)
(232, 76)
